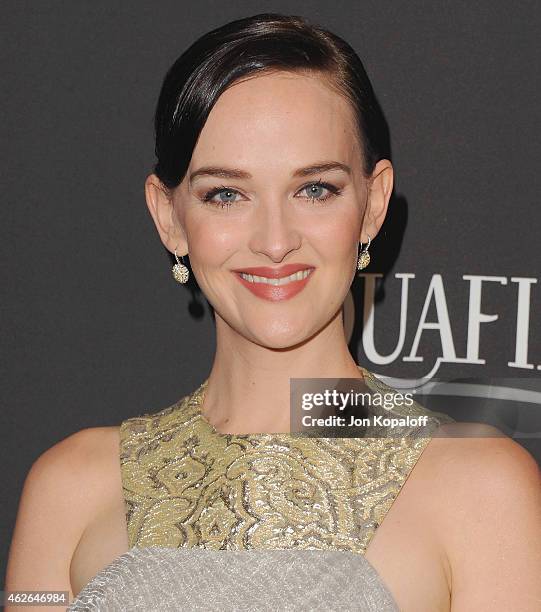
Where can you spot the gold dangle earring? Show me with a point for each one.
(364, 257)
(180, 271)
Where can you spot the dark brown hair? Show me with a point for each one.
(244, 47)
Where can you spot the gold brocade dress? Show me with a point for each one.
(188, 487)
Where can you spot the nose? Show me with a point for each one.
(275, 233)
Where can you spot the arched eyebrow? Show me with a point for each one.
(235, 173)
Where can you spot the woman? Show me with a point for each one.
(271, 163)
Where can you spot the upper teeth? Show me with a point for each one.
(276, 281)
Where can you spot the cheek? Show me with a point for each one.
(211, 239)
(337, 235)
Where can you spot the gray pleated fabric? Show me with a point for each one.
(161, 579)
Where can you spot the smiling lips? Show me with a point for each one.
(275, 284)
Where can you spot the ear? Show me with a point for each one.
(380, 187)
(161, 207)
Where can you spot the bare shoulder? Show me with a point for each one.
(90, 447)
(63, 471)
(86, 457)
(476, 458)
(486, 492)
(474, 453)
(62, 490)
(82, 444)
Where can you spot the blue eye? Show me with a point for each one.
(314, 191)
(223, 202)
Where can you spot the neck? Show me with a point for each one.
(248, 387)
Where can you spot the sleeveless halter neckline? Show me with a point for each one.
(187, 485)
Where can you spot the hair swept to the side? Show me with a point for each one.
(248, 46)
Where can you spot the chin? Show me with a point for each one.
(281, 334)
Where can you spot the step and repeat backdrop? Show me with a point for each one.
(96, 330)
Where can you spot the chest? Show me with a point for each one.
(400, 551)
(233, 493)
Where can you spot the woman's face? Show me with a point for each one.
(275, 179)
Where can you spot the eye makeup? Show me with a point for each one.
(208, 197)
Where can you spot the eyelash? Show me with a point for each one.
(207, 198)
